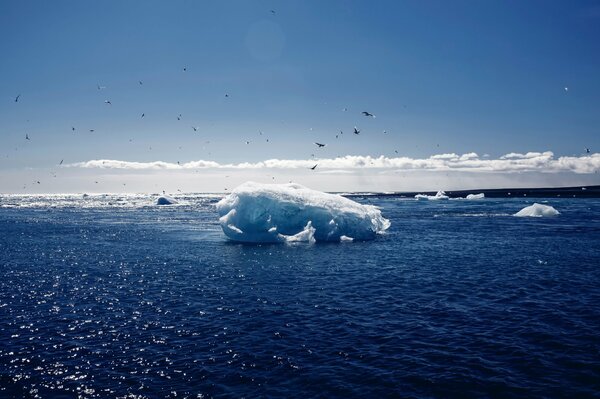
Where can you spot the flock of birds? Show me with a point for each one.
(100, 87)
(356, 130)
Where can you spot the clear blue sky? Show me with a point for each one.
(441, 76)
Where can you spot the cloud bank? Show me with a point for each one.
(544, 162)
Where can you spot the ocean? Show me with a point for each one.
(113, 296)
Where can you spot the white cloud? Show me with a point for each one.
(544, 162)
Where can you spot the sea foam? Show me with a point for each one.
(256, 213)
(537, 210)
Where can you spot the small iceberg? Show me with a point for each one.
(269, 213)
(537, 210)
(475, 196)
(165, 200)
(440, 195)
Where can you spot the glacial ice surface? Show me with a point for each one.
(256, 213)
(440, 195)
(537, 210)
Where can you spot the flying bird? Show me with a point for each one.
(566, 89)
(107, 102)
(91, 130)
(140, 82)
(356, 131)
(273, 12)
(27, 137)
(61, 162)
(179, 117)
(320, 145)
(73, 128)
(314, 167)
(587, 150)
(17, 98)
(100, 87)
(143, 115)
(195, 128)
(184, 69)
(365, 113)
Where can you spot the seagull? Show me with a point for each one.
(100, 87)
(273, 12)
(320, 145)
(184, 69)
(27, 137)
(143, 115)
(345, 109)
(91, 130)
(587, 150)
(566, 89)
(396, 151)
(356, 131)
(385, 132)
(179, 117)
(61, 161)
(107, 102)
(247, 142)
(314, 167)
(73, 128)
(17, 98)
(365, 113)
(226, 95)
(195, 128)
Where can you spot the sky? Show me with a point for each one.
(465, 94)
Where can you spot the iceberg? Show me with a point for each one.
(268, 213)
(475, 196)
(165, 200)
(440, 195)
(537, 210)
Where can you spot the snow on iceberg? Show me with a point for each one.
(165, 200)
(440, 195)
(475, 196)
(255, 212)
(537, 210)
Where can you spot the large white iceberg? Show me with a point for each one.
(440, 195)
(537, 210)
(255, 212)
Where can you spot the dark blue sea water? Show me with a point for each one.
(111, 296)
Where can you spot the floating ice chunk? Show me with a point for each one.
(255, 212)
(440, 195)
(165, 200)
(537, 210)
(475, 196)
(346, 239)
(306, 235)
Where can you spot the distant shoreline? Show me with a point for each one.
(547, 192)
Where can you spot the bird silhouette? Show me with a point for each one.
(314, 167)
(320, 145)
(356, 131)
(17, 98)
(365, 113)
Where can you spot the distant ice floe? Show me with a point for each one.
(165, 200)
(440, 195)
(268, 213)
(537, 210)
(475, 196)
